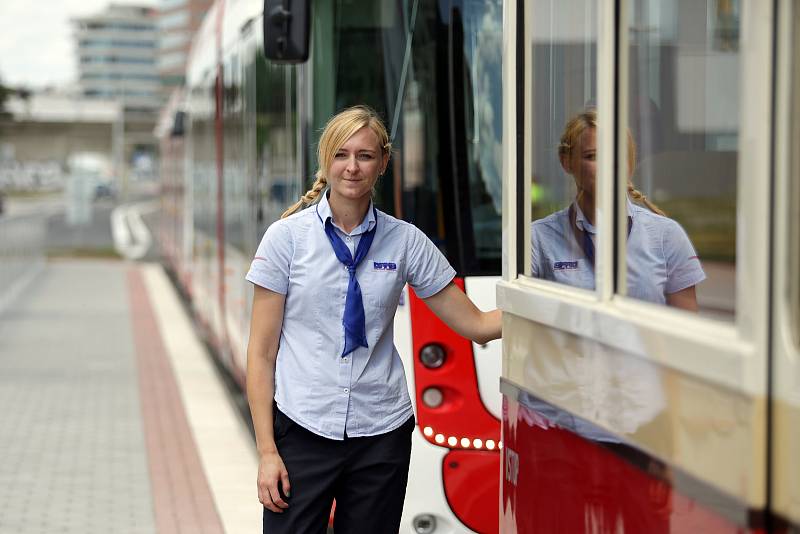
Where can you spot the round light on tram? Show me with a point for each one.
(432, 356)
(500, 445)
(477, 443)
(432, 397)
(439, 438)
(465, 442)
(490, 444)
(424, 524)
(452, 441)
(428, 431)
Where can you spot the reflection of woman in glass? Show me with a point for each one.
(663, 267)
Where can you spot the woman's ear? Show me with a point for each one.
(565, 163)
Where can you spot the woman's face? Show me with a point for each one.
(581, 162)
(356, 166)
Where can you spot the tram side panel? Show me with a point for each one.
(619, 412)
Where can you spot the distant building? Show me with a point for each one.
(178, 20)
(118, 59)
(117, 56)
(41, 131)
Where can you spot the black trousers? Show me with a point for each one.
(367, 476)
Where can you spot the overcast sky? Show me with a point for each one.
(36, 47)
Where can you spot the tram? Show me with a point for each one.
(238, 147)
(621, 414)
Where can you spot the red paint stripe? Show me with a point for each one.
(182, 500)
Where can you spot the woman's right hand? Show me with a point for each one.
(271, 471)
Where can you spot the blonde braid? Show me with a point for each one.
(311, 195)
(640, 198)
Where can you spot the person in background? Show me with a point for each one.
(663, 267)
(326, 386)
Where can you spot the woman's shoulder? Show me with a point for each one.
(289, 227)
(391, 223)
(550, 225)
(661, 223)
(662, 229)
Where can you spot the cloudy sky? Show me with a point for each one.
(36, 47)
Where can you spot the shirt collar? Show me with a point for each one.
(581, 221)
(324, 213)
(586, 226)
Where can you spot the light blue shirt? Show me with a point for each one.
(364, 393)
(661, 259)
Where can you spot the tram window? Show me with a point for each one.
(358, 50)
(277, 168)
(563, 140)
(683, 111)
(481, 48)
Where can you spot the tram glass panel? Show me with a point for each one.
(358, 51)
(278, 180)
(360, 57)
(478, 41)
(562, 143)
(683, 111)
(234, 193)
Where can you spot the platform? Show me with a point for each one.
(113, 416)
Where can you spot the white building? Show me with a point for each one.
(117, 56)
(178, 20)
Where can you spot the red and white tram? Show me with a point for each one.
(433, 70)
(621, 415)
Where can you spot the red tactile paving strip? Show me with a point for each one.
(182, 500)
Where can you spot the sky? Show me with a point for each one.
(36, 47)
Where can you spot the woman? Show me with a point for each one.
(327, 283)
(663, 267)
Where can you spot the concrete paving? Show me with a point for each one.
(84, 450)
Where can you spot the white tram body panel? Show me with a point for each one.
(694, 414)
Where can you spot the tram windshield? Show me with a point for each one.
(446, 130)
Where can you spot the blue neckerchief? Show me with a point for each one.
(355, 331)
(583, 237)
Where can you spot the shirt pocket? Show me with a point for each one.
(575, 273)
(381, 283)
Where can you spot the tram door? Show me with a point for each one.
(641, 337)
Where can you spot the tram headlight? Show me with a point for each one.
(424, 524)
(432, 356)
(432, 397)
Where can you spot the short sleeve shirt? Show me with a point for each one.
(364, 393)
(661, 259)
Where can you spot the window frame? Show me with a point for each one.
(734, 354)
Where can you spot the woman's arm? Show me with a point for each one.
(686, 299)
(262, 350)
(453, 307)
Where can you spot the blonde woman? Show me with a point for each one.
(326, 387)
(662, 265)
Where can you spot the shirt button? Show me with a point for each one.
(348, 239)
(346, 390)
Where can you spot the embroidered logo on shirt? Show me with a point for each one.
(384, 266)
(565, 265)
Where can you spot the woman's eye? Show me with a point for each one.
(365, 157)
(340, 155)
